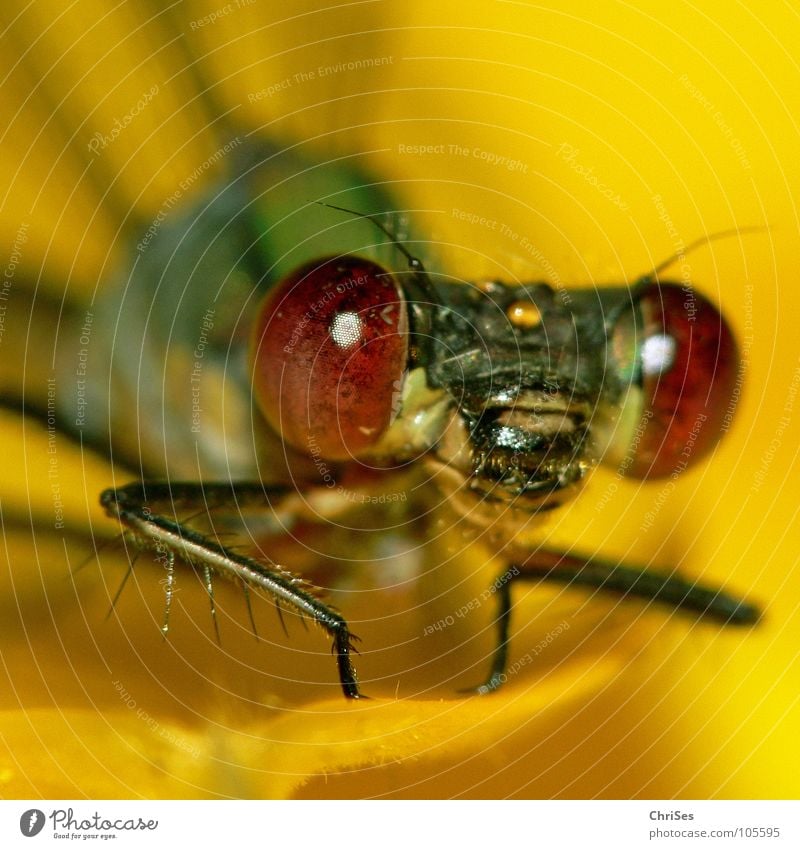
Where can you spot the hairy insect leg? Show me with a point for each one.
(627, 581)
(131, 506)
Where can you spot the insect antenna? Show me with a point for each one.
(639, 286)
(419, 291)
(414, 263)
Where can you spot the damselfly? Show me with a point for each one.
(268, 334)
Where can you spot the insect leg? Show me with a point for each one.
(628, 581)
(669, 589)
(497, 674)
(129, 504)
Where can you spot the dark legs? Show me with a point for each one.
(173, 539)
(628, 581)
(170, 538)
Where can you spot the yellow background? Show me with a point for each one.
(695, 103)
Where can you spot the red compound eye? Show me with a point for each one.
(687, 361)
(329, 355)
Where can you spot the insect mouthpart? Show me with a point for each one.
(533, 448)
(526, 446)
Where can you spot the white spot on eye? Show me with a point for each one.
(658, 354)
(346, 329)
